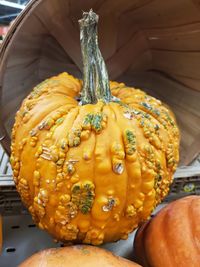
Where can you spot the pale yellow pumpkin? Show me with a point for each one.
(90, 171)
(75, 256)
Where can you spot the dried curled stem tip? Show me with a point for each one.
(95, 76)
(89, 18)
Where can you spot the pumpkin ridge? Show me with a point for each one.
(46, 114)
(49, 115)
(117, 114)
(191, 227)
(149, 133)
(84, 237)
(117, 87)
(123, 210)
(94, 156)
(170, 225)
(94, 225)
(164, 224)
(129, 206)
(88, 238)
(66, 120)
(109, 105)
(145, 256)
(166, 119)
(142, 178)
(157, 119)
(94, 164)
(147, 159)
(52, 94)
(74, 134)
(50, 85)
(42, 220)
(73, 84)
(157, 222)
(140, 117)
(60, 122)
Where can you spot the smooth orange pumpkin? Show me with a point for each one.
(76, 256)
(172, 237)
(91, 170)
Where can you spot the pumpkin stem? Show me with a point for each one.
(95, 76)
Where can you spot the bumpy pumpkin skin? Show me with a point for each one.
(74, 256)
(91, 173)
(172, 237)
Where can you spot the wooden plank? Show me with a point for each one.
(13, 106)
(193, 151)
(121, 7)
(124, 36)
(181, 38)
(16, 26)
(143, 63)
(189, 124)
(127, 54)
(46, 69)
(187, 171)
(177, 62)
(23, 78)
(196, 162)
(6, 180)
(1, 153)
(196, 3)
(53, 60)
(108, 29)
(54, 51)
(191, 83)
(9, 124)
(161, 14)
(59, 25)
(3, 164)
(9, 169)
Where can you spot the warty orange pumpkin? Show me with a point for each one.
(172, 237)
(92, 159)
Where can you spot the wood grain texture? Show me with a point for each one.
(162, 14)
(61, 28)
(150, 44)
(127, 54)
(181, 38)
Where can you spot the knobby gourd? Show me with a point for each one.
(172, 237)
(91, 159)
